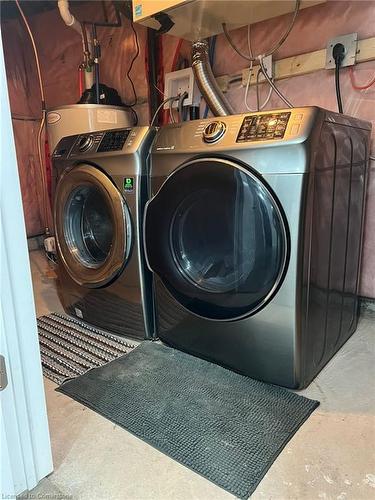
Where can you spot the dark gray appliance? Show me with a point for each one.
(254, 234)
(100, 189)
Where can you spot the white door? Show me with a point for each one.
(25, 450)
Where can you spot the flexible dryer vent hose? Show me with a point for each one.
(206, 81)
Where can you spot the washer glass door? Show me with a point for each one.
(92, 225)
(217, 238)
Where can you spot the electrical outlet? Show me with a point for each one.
(267, 63)
(350, 43)
(178, 82)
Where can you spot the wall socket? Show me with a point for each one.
(178, 82)
(350, 43)
(267, 63)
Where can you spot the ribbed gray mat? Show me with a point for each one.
(69, 347)
(222, 425)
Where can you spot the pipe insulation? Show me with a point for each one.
(206, 81)
(72, 22)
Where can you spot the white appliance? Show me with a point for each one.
(74, 119)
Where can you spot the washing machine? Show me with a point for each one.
(253, 232)
(100, 189)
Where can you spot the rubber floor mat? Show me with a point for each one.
(222, 425)
(69, 347)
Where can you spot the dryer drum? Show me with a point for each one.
(217, 238)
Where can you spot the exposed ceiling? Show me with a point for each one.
(30, 7)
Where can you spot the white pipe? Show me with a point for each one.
(89, 79)
(72, 22)
(68, 17)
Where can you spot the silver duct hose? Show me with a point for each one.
(206, 81)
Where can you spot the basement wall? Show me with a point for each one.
(60, 54)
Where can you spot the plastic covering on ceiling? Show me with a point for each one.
(60, 54)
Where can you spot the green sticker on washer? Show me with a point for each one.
(129, 184)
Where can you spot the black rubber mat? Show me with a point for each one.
(224, 426)
(69, 347)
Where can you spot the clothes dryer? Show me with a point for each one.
(254, 234)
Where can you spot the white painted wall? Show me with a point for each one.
(25, 450)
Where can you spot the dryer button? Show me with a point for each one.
(294, 129)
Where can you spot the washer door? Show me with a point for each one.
(217, 238)
(92, 223)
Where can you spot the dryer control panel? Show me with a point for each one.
(261, 127)
(243, 131)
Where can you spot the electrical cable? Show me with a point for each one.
(273, 85)
(171, 111)
(249, 47)
(46, 205)
(180, 105)
(338, 53)
(173, 98)
(355, 85)
(275, 47)
(257, 88)
(338, 90)
(132, 64)
(259, 106)
(264, 104)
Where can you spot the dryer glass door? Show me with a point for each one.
(92, 225)
(217, 238)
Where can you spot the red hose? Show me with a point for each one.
(81, 81)
(359, 87)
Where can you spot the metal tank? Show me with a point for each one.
(74, 119)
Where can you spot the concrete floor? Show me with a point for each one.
(331, 457)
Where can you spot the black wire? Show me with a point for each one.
(135, 116)
(338, 90)
(131, 66)
(180, 105)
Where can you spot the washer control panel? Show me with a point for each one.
(263, 127)
(214, 131)
(85, 143)
(113, 141)
(100, 142)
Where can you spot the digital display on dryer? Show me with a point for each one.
(263, 127)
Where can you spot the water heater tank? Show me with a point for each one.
(81, 118)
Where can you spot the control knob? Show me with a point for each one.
(85, 143)
(214, 131)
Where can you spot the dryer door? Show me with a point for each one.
(217, 238)
(92, 225)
